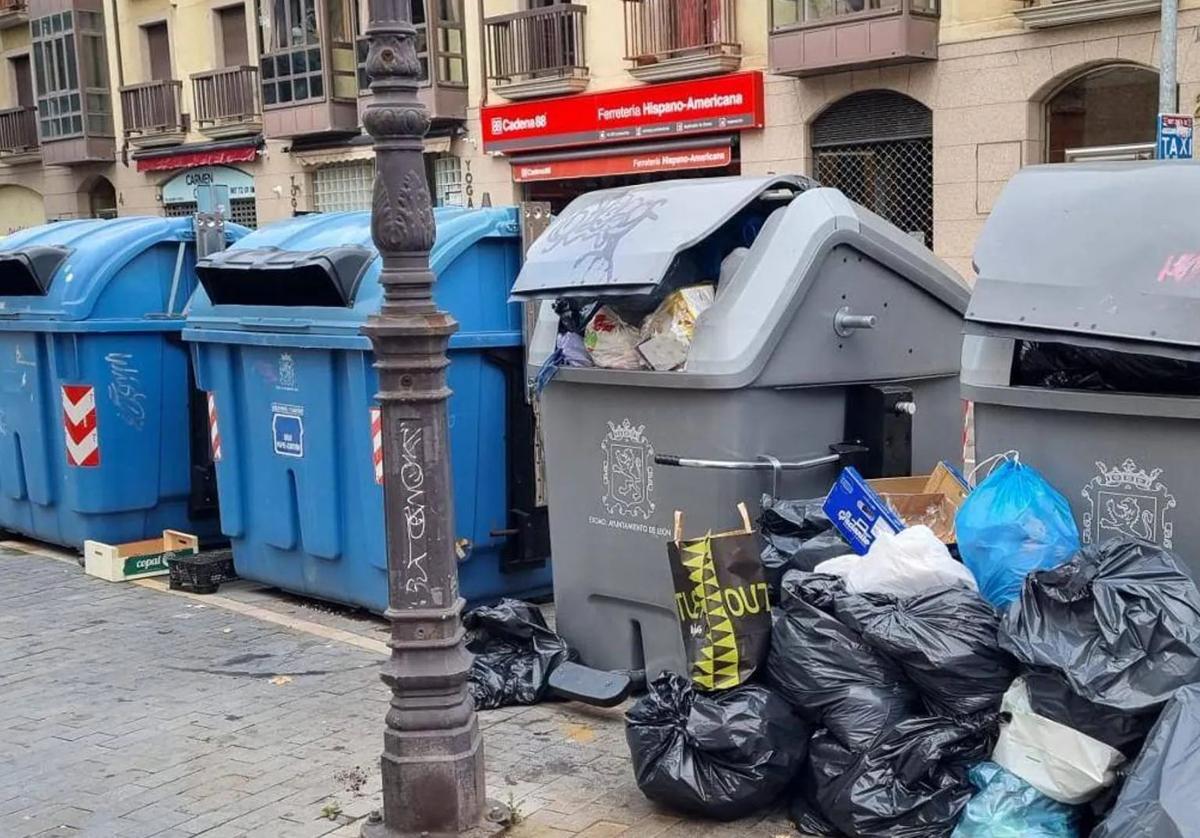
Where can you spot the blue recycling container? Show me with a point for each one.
(101, 431)
(275, 330)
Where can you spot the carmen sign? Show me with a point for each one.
(696, 106)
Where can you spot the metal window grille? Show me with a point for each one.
(241, 211)
(877, 148)
(344, 186)
(448, 181)
(892, 179)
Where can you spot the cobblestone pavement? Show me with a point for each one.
(131, 711)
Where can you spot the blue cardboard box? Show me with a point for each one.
(858, 511)
(861, 508)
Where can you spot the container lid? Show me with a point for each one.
(319, 274)
(65, 270)
(624, 241)
(1097, 251)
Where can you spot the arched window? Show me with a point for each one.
(102, 199)
(1112, 107)
(876, 146)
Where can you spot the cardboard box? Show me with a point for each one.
(118, 562)
(861, 508)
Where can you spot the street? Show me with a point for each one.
(130, 711)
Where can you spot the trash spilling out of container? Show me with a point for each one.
(105, 437)
(831, 340)
(276, 334)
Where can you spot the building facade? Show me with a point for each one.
(919, 109)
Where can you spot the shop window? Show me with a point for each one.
(1105, 108)
(344, 186)
(877, 148)
(448, 181)
(70, 72)
(102, 199)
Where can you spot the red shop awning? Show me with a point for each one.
(205, 157)
(630, 162)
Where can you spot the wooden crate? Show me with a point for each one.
(118, 562)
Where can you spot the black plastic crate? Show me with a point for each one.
(202, 573)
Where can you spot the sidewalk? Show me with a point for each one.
(133, 711)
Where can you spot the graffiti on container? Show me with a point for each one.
(412, 482)
(597, 230)
(125, 389)
(1180, 267)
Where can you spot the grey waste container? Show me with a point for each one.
(1082, 346)
(774, 372)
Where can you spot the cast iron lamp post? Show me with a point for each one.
(432, 761)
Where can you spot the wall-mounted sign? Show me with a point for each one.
(651, 112)
(182, 189)
(623, 164)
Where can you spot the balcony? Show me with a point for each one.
(153, 113)
(13, 13)
(809, 37)
(226, 102)
(445, 101)
(18, 136)
(1042, 14)
(680, 39)
(539, 52)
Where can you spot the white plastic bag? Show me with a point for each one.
(1059, 761)
(612, 342)
(906, 564)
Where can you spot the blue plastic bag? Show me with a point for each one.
(1013, 523)
(1008, 807)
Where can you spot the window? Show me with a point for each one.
(1111, 106)
(241, 211)
(447, 181)
(344, 186)
(451, 49)
(157, 44)
(231, 24)
(793, 12)
(71, 75)
(292, 66)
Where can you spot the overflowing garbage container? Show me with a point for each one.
(777, 319)
(103, 435)
(1081, 350)
(276, 331)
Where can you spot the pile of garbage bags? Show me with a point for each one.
(1020, 692)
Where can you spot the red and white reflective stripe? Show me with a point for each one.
(79, 423)
(214, 433)
(377, 443)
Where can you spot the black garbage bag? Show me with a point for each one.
(1120, 621)
(1062, 366)
(515, 652)
(797, 535)
(720, 755)
(913, 783)
(944, 641)
(1161, 796)
(829, 674)
(1051, 696)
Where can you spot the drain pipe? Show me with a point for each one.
(116, 97)
(1167, 47)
